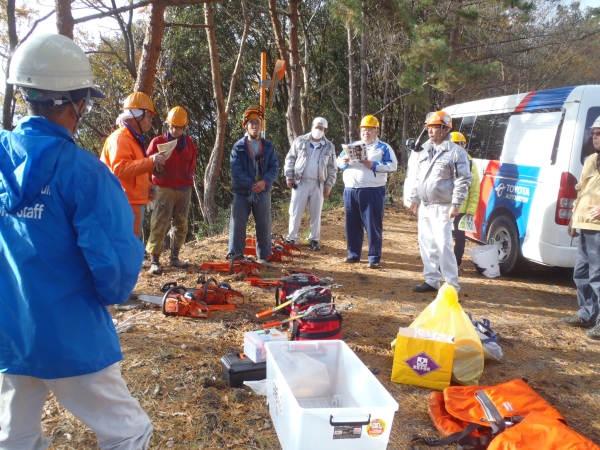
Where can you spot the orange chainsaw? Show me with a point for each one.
(236, 265)
(278, 252)
(178, 301)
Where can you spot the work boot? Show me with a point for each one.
(154, 265)
(594, 333)
(425, 287)
(576, 321)
(175, 261)
(314, 245)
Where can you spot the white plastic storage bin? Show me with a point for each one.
(322, 397)
(254, 342)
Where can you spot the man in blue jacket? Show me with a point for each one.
(254, 168)
(66, 253)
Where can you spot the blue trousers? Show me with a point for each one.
(260, 206)
(364, 208)
(587, 275)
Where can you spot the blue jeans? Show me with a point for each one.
(260, 205)
(364, 208)
(587, 274)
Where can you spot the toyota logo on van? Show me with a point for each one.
(500, 189)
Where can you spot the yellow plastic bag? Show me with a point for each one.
(445, 315)
(423, 358)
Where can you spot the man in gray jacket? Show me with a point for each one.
(442, 182)
(311, 172)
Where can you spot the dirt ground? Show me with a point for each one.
(172, 365)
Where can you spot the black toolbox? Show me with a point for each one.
(238, 368)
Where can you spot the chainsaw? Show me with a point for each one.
(178, 301)
(278, 252)
(299, 297)
(237, 264)
(276, 239)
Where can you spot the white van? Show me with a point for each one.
(529, 149)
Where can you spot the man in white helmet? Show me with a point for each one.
(586, 218)
(310, 171)
(66, 253)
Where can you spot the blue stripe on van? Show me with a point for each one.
(552, 98)
(514, 188)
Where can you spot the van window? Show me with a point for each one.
(480, 136)
(530, 138)
(456, 123)
(588, 148)
(466, 126)
(496, 141)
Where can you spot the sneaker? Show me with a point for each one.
(264, 262)
(290, 241)
(594, 333)
(373, 265)
(154, 269)
(229, 255)
(576, 321)
(352, 259)
(424, 288)
(314, 245)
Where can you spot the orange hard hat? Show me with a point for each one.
(440, 118)
(139, 100)
(253, 112)
(177, 117)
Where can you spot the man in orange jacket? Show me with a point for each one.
(125, 155)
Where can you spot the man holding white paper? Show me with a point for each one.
(364, 192)
(174, 180)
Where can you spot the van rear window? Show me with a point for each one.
(588, 148)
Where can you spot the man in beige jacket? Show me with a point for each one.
(586, 218)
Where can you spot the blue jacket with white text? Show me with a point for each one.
(66, 252)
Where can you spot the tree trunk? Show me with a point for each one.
(213, 168)
(13, 40)
(293, 68)
(151, 49)
(304, 92)
(454, 36)
(64, 18)
(351, 88)
(383, 124)
(403, 156)
(208, 206)
(364, 106)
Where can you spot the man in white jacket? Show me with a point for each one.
(310, 171)
(364, 193)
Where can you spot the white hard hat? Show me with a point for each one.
(596, 123)
(51, 62)
(319, 121)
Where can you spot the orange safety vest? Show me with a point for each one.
(508, 416)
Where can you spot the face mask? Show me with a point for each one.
(317, 134)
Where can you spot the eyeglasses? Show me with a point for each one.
(596, 133)
(173, 127)
(254, 122)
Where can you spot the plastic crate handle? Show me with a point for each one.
(348, 424)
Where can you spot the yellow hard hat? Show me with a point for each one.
(455, 136)
(369, 121)
(440, 118)
(253, 112)
(177, 117)
(139, 100)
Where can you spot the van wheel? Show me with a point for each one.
(503, 234)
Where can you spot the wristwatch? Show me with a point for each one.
(456, 205)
